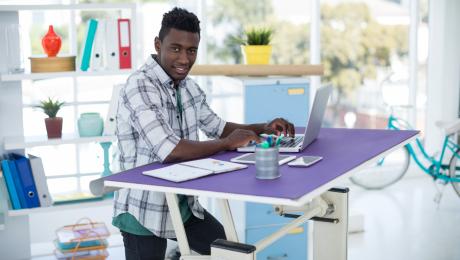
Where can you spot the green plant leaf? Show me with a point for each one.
(50, 107)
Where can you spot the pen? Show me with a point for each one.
(278, 140)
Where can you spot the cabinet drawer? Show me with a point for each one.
(262, 214)
(292, 246)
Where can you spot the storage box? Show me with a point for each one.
(52, 64)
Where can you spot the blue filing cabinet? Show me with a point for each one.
(264, 100)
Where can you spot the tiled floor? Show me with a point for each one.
(401, 222)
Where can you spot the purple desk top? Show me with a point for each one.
(341, 149)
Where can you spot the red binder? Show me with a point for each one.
(124, 43)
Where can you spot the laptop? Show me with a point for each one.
(301, 141)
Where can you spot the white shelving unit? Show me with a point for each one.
(53, 75)
(15, 231)
(61, 207)
(21, 142)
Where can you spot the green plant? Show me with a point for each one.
(50, 107)
(256, 36)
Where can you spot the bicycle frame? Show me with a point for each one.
(436, 165)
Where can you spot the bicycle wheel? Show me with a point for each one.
(454, 170)
(386, 171)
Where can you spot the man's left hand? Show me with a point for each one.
(280, 126)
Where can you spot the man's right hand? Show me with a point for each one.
(239, 138)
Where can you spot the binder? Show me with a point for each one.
(86, 54)
(110, 121)
(124, 43)
(26, 179)
(111, 44)
(17, 182)
(41, 184)
(97, 57)
(10, 186)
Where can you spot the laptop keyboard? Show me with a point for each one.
(291, 142)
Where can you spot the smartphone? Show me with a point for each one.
(305, 161)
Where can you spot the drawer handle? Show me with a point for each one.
(284, 256)
(296, 91)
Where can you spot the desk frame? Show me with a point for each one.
(325, 235)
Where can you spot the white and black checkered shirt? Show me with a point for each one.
(148, 129)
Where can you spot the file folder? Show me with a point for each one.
(38, 173)
(97, 57)
(17, 182)
(86, 54)
(26, 179)
(111, 44)
(124, 43)
(10, 186)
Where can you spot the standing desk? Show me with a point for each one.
(306, 190)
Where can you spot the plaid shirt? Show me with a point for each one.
(148, 130)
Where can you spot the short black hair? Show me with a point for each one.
(180, 19)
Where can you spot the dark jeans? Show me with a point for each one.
(200, 235)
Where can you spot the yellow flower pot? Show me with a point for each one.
(256, 54)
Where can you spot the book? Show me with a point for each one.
(10, 186)
(27, 181)
(41, 184)
(194, 169)
(87, 49)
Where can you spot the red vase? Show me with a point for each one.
(51, 42)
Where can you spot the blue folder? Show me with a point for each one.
(26, 178)
(10, 185)
(86, 55)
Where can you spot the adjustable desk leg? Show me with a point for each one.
(173, 205)
(227, 220)
(330, 239)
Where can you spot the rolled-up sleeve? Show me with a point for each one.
(149, 119)
(209, 122)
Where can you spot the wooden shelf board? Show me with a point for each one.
(257, 70)
(20, 142)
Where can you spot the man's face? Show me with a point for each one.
(177, 52)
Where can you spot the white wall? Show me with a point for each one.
(443, 68)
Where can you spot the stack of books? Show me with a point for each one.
(82, 241)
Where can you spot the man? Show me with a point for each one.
(159, 114)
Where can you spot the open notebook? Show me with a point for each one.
(194, 169)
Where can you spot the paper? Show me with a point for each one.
(193, 169)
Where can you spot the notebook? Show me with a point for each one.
(194, 169)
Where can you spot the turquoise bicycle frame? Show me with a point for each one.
(435, 166)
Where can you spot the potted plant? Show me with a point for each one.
(256, 46)
(53, 123)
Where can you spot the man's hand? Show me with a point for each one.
(280, 126)
(240, 138)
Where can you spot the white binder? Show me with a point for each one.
(110, 121)
(97, 57)
(40, 181)
(111, 44)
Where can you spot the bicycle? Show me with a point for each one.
(393, 166)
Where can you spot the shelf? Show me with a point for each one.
(257, 70)
(19, 142)
(197, 70)
(65, 7)
(52, 75)
(69, 206)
